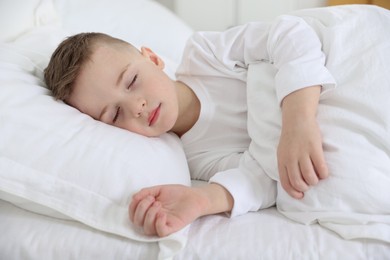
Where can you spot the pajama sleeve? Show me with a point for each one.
(295, 50)
(289, 43)
(249, 185)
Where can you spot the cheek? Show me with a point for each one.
(170, 117)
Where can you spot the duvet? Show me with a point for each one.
(354, 119)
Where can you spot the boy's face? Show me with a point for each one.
(124, 88)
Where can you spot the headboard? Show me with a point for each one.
(382, 3)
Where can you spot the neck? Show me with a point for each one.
(189, 109)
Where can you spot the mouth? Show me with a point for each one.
(154, 115)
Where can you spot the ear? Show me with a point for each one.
(149, 54)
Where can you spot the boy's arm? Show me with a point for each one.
(301, 159)
(163, 210)
(296, 51)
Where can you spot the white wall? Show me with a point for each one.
(252, 10)
(221, 14)
(206, 14)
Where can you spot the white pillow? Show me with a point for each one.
(18, 17)
(140, 22)
(54, 156)
(59, 162)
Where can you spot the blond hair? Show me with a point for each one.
(69, 57)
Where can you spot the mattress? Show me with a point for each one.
(259, 235)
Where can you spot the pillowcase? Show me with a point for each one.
(18, 17)
(140, 22)
(59, 162)
(25, 235)
(54, 156)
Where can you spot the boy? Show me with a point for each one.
(115, 83)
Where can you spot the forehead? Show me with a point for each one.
(103, 66)
(103, 54)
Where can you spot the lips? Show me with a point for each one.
(154, 115)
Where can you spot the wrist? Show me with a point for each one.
(214, 199)
(301, 105)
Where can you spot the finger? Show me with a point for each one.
(150, 219)
(139, 196)
(308, 173)
(320, 166)
(285, 182)
(132, 207)
(141, 210)
(143, 193)
(296, 179)
(162, 228)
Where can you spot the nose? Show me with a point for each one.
(138, 107)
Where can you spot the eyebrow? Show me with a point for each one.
(121, 74)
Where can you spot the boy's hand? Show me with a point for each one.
(301, 161)
(163, 210)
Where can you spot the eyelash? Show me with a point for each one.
(118, 110)
(116, 114)
(132, 82)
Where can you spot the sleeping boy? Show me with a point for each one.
(206, 106)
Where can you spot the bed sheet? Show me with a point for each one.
(259, 235)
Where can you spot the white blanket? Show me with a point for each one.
(354, 119)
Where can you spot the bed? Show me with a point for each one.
(66, 180)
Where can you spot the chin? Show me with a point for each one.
(154, 134)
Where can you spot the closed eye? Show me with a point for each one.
(132, 82)
(118, 110)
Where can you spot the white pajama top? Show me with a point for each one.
(215, 66)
